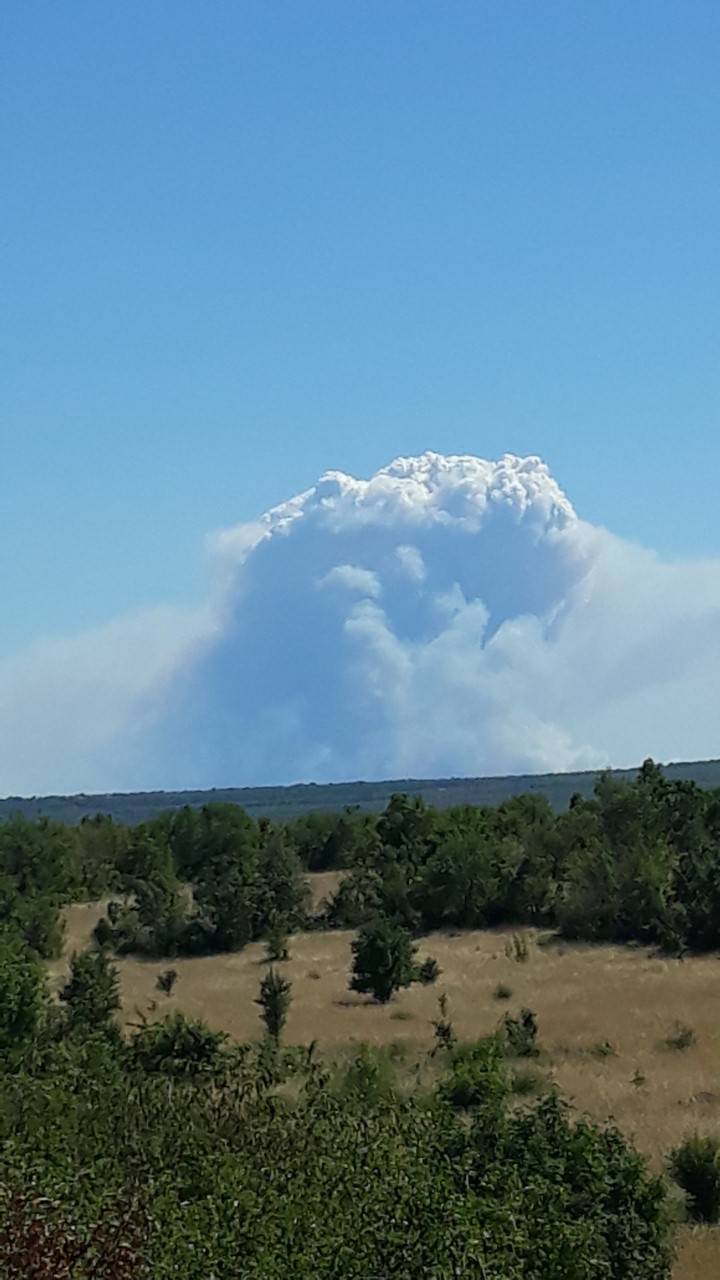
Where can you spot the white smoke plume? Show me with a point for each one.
(448, 616)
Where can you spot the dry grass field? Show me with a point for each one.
(605, 1015)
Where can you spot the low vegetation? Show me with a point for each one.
(462, 1114)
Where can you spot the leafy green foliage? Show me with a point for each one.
(368, 1078)
(477, 1077)
(22, 994)
(276, 941)
(383, 959)
(274, 1001)
(177, 1046)
(525, 1081)
(91, 993)
(520, 1034)
(214, 1174)
(633, 861)
(283, 893)
(695, 1165)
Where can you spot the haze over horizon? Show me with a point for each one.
(448, 616)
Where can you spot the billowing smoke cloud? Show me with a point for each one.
(448, 616)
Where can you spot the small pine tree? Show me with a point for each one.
(274, 1001)
(383, 959)
(91, 992)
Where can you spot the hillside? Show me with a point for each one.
(290, 802)
(608, 1019)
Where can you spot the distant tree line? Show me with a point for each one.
(637, 861)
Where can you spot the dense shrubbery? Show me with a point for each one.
(695, 1165)
(637, 861)
(178, 1153)
(182, 1148)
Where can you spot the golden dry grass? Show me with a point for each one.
(584, 997)
(698, 1256)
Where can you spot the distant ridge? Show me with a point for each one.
(306, 797)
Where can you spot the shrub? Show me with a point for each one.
(274, 1001)
(502, 991)
(516, 948)
(525, 1081)
(695, 1166)
(383, 959)
(22, 993)
(520, 1034)
(177, 1046)
(445, 1037)
(276, 943)
(369, 1076)
(682, 1037)
(91, 993)
(429, 971)
(104, 933)
(166, 981)
(477, 1076)
(604, 1049)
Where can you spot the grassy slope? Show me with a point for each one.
(584, 997)
(288, 802)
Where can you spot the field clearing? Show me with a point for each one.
(604, 1015)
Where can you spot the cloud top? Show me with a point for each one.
(446, 616)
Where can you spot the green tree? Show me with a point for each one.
(91, 992)
(22, 993)
(459, 884)
(282, 887)
(383, 959)
(228, 885)
(274, 1001)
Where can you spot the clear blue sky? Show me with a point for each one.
(244, 242)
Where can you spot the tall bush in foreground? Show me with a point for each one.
(358, 1182)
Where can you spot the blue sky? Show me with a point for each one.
(245, 242)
